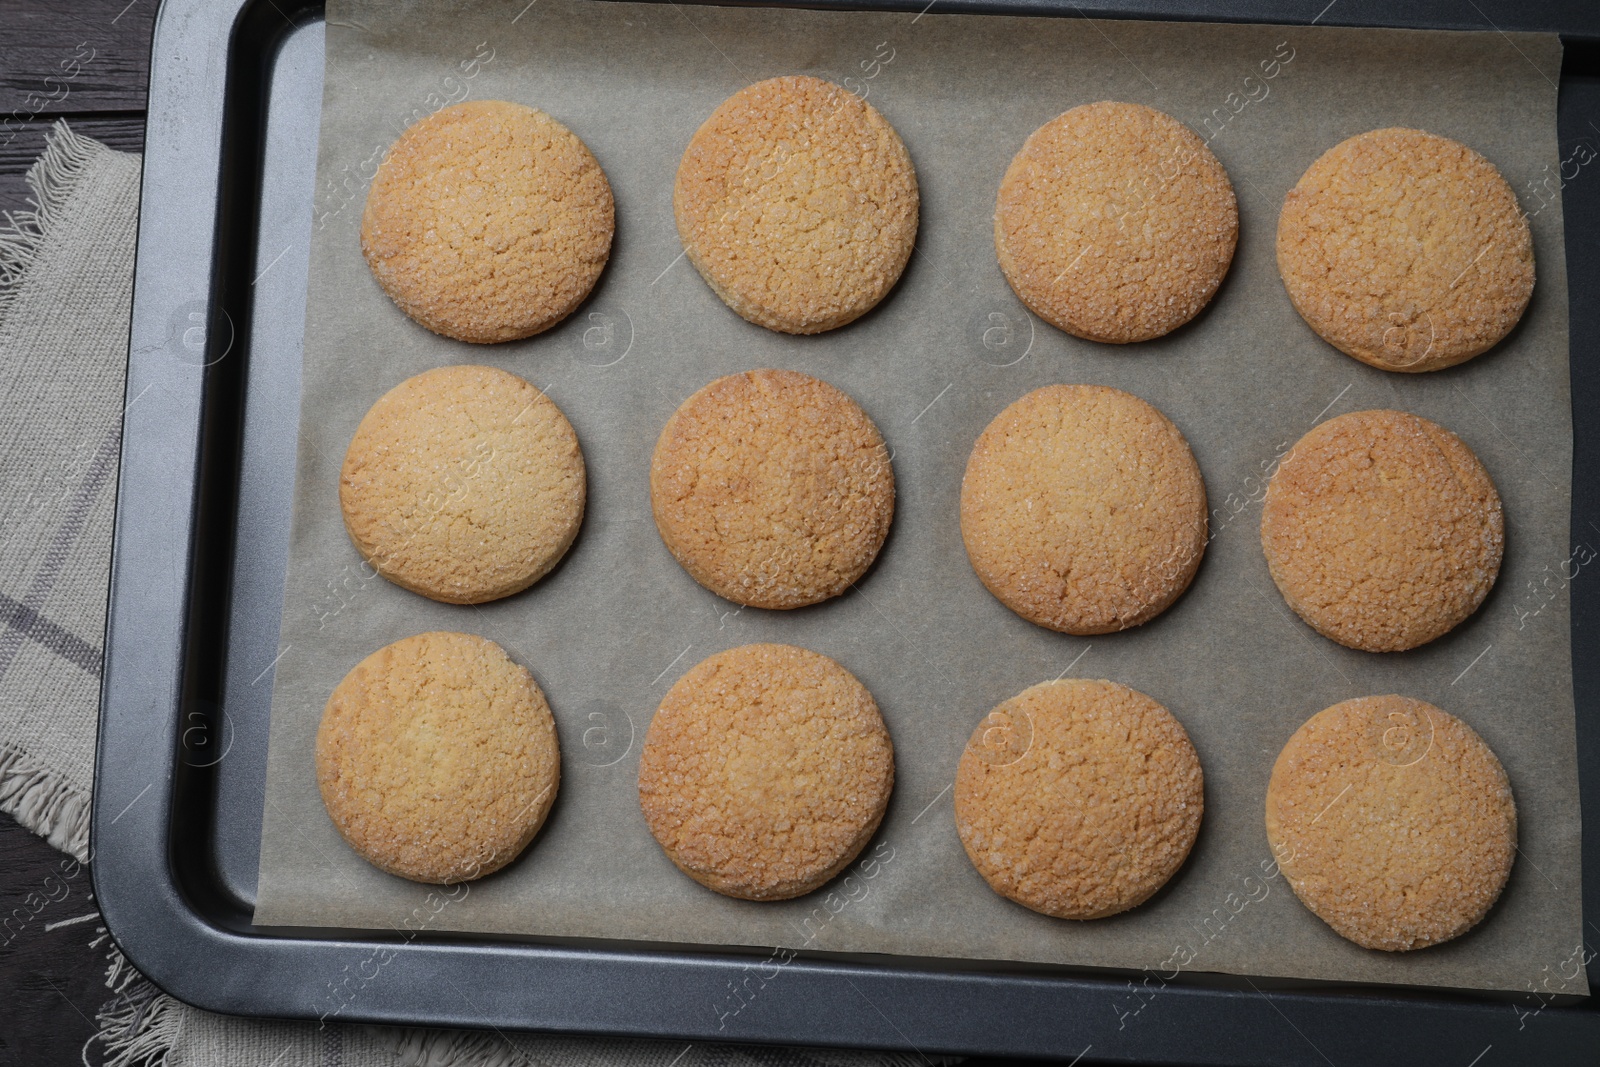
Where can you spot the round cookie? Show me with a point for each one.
(1405, 250)
(1393, 822)
(1115, 223)
(1078, 798)
(464, 484)
(797, 203)
(1083, 509)
(488, 221)
(765, 771)
(1382, 530)
(437, 758)
(772, 489)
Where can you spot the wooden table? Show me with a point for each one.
(86, 61)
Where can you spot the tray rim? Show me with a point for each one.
(201, 96)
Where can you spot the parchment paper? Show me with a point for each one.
(619, 621)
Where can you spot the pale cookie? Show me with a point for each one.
(1078, 798)
(797, 203)
(464, 484)
(1393, 822)
(772, 489)
(1382, 530)
(1083, 509)
(1115, 223)
(1406, 250)
(488, 221)
(437, 758)
(765, 771)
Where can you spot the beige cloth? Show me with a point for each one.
(66, 272)
(66, 286)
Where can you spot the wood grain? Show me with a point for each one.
(123, 131)
(87, 55)
(51, 981)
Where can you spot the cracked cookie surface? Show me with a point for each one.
(1406, 250)
(797, 203)
(1083, 510)
(1393, 821)
(1115, 223)
(437, 758)
(464, 484)
(1090, 813)
(772, 488)
(1382, 530)
(765, 771)
(488, 221)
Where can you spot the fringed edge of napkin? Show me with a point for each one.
(45, 802)
(52, 179)
(139, 1025)
(452, 1048)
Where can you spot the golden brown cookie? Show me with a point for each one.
(1382, 530)
(765, 771)
(1078, 798)
(437, 758)
(797, 203)
(1115, 223)
(464, 484)
(1083, 509)
(772, 488)
(1393, 822)
(488, 221)
(1405, 250)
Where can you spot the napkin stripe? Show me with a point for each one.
(26, 618)
(28, 623)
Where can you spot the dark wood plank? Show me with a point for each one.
(51, 981)
(82, 55)
(124, 132)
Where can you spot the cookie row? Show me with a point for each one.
(798, 204)
(1082, 507)
(767, 768)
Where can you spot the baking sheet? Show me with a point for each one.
(618, 622)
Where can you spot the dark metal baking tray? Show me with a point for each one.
(202, 531)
